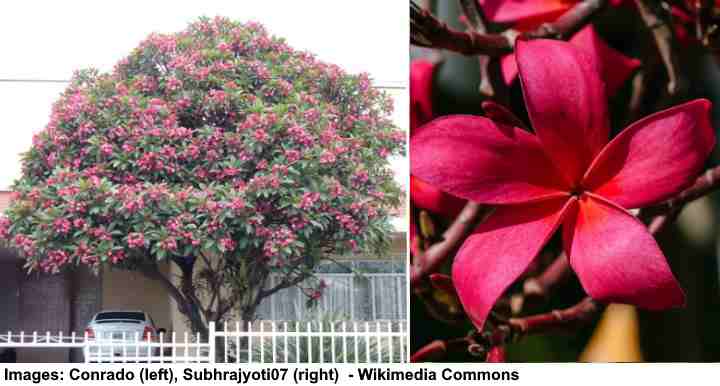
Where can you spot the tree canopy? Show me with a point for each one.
(217, 141)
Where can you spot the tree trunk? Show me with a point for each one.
(190, 308)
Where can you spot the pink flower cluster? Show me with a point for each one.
(5, 224)
(79, 223)
(227, 244)
(279, 238)
(237, 204)
(100, 234)
(25, 244)
(261, 135)
(136, 240)
(106, 149)
(133, 204)
(347, 222)
(117, 256)
(360, 177)
(301, 136)
(308, 200)
(292, 155)
(327, 157)
(54, 260)
(62, 226)
(169, 244)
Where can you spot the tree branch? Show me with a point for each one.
(183, 302)
(706, 24)
(427, 31)
(284, 284)
(479, 344)
(491, 79)
(707, 183)
(474, 15)
(637, 96)
(540, 286)
(581, 313)
(663, 35)
(429, 260)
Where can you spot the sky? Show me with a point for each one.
(47, 40)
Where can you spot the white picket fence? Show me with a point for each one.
(258, 342)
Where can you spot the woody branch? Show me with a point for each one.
(427, 31)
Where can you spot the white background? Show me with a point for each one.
(47, 40)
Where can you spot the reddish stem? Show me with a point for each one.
(432, 258)
(432, 352)
(664, 40)
(496, 355)
(707, 183)
(439, 349)
(442, 282)
(427, 31)
(555, 273)
(581, 313)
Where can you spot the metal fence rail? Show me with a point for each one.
(315, 342)
(189, 349)
(257, 342)
(47, 340)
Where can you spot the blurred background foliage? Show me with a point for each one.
(623, 333)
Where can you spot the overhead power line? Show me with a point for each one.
(395, 85)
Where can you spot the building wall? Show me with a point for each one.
(9, 295)
(45, 306)
(85, 297)
(127, 290)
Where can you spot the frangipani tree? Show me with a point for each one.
(218, 149)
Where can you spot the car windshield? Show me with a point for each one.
(115, 315)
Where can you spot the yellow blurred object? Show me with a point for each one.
(448, 300)
(616, 337)
(427, 227)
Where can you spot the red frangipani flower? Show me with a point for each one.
(526, 15)
(528, 12)
(568, 174)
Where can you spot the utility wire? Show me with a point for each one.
(391, 85)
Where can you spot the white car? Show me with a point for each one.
(120, 336)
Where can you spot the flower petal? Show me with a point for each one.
(503, 11)
(565, 98)
(421, 76)
(500, 250)
(616, 258)
(476, 159)
(655, 157)
(508, 67)
(426, 196)
(615, 67)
